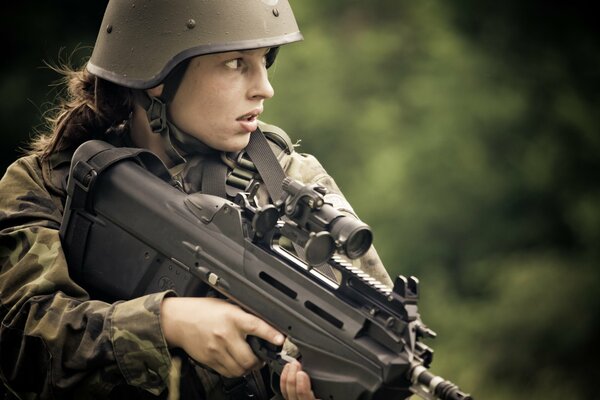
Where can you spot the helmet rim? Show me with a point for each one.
(141, 41)
(153, 81)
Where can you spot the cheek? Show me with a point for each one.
(204, 102)
(188, 103)
(207, 96)
(219, 102)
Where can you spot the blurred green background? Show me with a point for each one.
(465, 132)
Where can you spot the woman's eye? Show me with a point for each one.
(234, 64)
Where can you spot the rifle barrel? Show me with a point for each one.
(433, 387)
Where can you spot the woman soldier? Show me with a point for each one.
(188, 81)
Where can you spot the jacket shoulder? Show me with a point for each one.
(278, 136)
(25, 196)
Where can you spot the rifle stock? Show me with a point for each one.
(127, 232)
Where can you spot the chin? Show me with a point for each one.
(236, 144)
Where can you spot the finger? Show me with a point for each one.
(229, 367)
(242, 353)
(283, 380)
(303, 389)
(290, 382)
(255, 326)
(221, 369)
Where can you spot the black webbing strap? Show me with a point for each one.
(267, 164)
(214, 174)
(95, 156)
(258, 149)
(156, 110)
(144, 157)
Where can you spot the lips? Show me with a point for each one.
(252, 115)
(249, 121)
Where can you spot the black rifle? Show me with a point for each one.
(128, 232)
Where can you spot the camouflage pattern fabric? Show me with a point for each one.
(56, 342)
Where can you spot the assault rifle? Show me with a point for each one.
(128, 231)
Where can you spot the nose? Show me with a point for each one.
(261, 86)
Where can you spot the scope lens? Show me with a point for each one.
(359, 242)
(353, 235)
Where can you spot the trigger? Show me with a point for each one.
(264, 350)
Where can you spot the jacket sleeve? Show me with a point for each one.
(53, 338)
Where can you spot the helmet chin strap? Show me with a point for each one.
(176, 142)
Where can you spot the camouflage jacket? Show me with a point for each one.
(56, 342)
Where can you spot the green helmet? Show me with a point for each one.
(141, 41)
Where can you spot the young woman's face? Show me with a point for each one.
(221, 96)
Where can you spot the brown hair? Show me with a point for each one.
(89, 108)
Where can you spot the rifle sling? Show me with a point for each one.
(267, 164)
(258, 149)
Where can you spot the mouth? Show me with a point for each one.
(249, 121)
(251, 116)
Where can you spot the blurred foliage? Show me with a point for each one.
(466, 133)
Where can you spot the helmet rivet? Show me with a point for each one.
(108, 28)
(276, 12)
(191, 24)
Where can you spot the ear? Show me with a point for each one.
(156, 91)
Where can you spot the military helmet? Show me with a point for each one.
(141, 41)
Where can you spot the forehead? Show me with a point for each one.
(236, 53)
